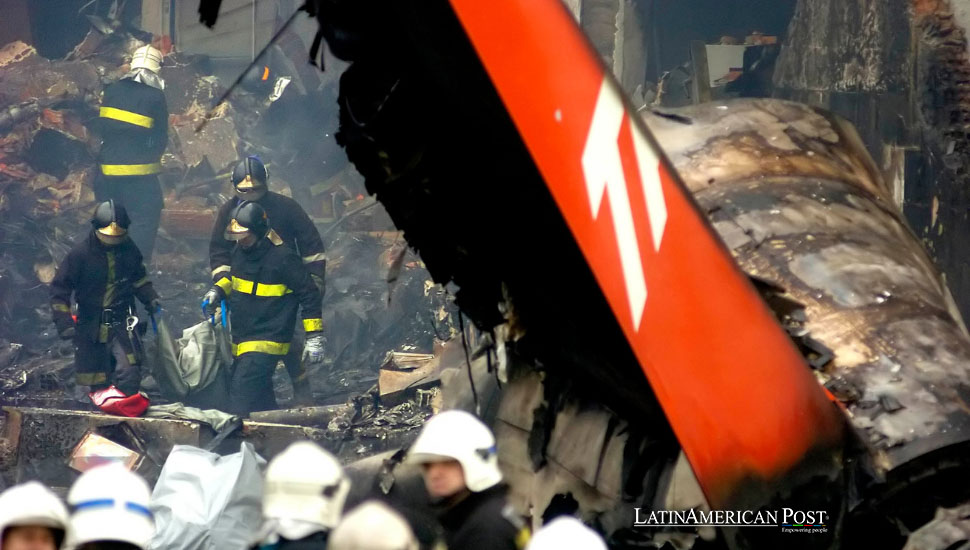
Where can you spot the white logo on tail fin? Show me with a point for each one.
(603, 169)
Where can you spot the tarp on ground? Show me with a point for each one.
(204, 501)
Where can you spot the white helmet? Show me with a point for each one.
(32, 504)
(460, 436)
(372, 526)
(110, 503)
(147, 57)
(305, 490)
(566, 532)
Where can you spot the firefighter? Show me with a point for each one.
(459, 461)
(304, 493)
(134, 134)
(566, 532)
(373, 526)
(266, 284)
(105, 273)
(297, 231)
(31, 518)
(110, 510)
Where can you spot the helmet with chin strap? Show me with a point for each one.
(110, 222)
(247, 218)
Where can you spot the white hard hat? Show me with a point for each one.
(372, 526)
(32, 504)
(147, 57)
(305, 485)
(566, 532)
(458, 435)
(110, 503)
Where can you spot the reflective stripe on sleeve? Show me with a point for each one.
(314, 258)
(221, 269)
(58, 306)
(313, 325)
(225, 285)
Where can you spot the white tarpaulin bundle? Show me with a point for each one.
(204, 501)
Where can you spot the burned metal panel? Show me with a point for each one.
(819, 223)
(898, 70)
(845, 271)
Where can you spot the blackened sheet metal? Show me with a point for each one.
(799, 202)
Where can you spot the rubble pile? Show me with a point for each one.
(380, 299)
(48, 151)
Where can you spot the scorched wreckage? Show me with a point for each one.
(693, 314)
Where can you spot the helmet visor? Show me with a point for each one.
(111, 234)
(247, 184)
(113, 230)
(250, 189)
(235, 231)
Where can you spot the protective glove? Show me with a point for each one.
(313, 349)
(154, 306)
(211, 300)
(67, 333)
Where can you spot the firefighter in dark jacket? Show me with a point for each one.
(459, 461)
(105, 273)
(297, 231)
(134, 133)
(266, 284)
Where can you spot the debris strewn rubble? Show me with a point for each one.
(380, 301)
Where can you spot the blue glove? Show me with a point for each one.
(210, 303)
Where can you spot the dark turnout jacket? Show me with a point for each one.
(483, 521)
(267, 285)
(100, 278)
(134, 129)
(287, 219)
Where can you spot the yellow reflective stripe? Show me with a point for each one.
(141, 282)
(260, 346)
(221, 269)
(314, 258)
(110, 288)
(127, 116)
(522, 538)
(272, 290)
(313, 325)
(131, 169)
(247, 287)
(91, 378)
(58, 306)
(242, 285)
(224, 284)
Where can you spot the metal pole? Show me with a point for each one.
(253, 51)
